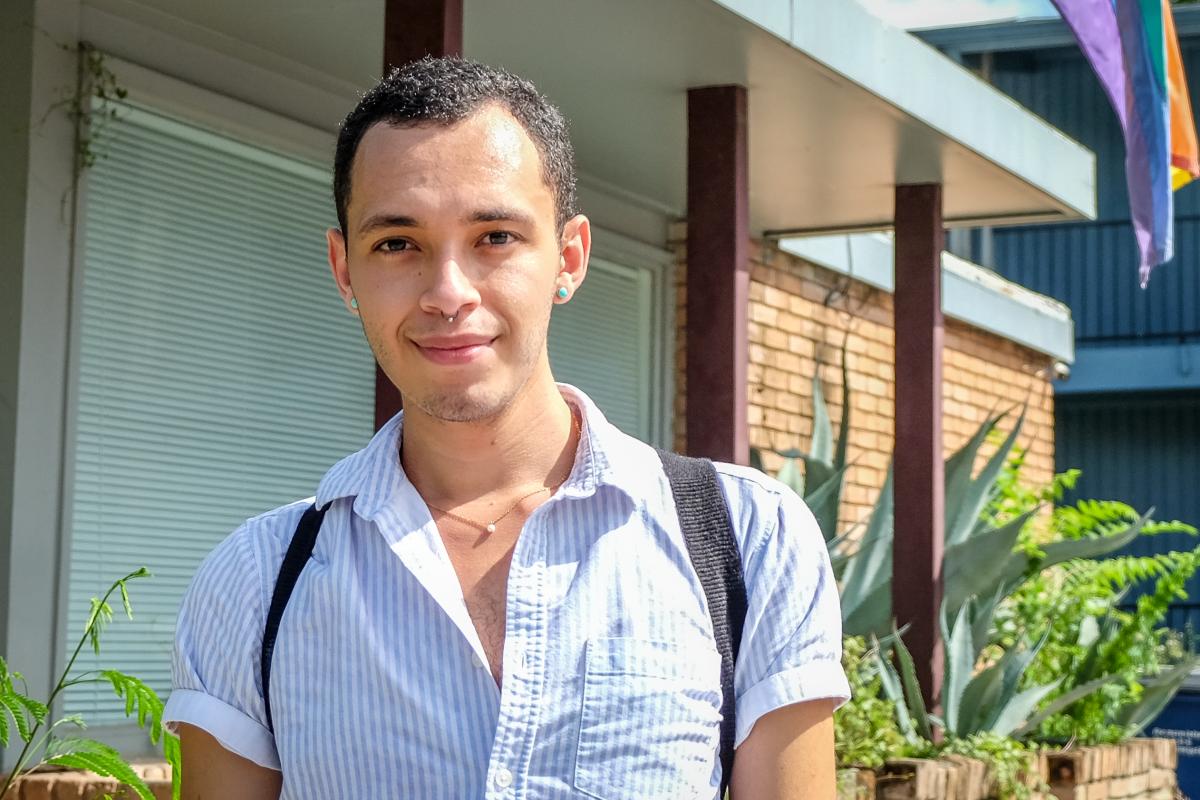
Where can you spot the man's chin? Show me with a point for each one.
(472, 403)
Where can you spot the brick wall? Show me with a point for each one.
(800, 314)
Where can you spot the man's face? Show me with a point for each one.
(455, 222)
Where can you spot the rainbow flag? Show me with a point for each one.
(1134, 51)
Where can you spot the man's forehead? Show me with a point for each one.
(486, 153)
(489, 135)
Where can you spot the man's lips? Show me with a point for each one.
(454, 349)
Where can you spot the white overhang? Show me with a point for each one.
(970, 293)
(842, 107)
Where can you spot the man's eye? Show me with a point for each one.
(395, 245)
(499, 237)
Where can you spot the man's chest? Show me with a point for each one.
(609, 669)
(481, 565)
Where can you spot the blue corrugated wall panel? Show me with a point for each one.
(1092, 266)
(1140, 449)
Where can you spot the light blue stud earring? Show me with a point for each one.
(562, 293)
(354, 303)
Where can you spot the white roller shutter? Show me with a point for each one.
(218, 373)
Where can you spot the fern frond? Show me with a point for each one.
(78, 753)
(1154, 528)
(140, 698)
(16, 710)
(125, 600)
(99, 617)
(174, 757)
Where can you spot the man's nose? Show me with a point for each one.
(451, 290)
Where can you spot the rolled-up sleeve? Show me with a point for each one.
(791, 645)
(215, 681)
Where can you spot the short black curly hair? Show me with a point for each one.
(444, 91)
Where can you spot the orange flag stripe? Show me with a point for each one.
(1185, 152)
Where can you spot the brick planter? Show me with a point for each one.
(55, 784)
(1140, 769)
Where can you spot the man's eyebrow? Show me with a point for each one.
(501, 214)
(377, 221)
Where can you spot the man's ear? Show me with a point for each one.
(340, 267)
(576, 249)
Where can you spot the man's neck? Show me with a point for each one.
(532, 443)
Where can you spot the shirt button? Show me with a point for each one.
(477, 661)
(503, 778)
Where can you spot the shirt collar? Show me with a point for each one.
(605, 457)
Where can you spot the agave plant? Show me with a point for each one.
(980, 558)
(992, 699)
(821, 480)
(982, 565)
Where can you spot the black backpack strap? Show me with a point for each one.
(713, 549)
(298, 553)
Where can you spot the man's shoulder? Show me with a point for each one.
(252, 546)
(750, 479)
(762, 507)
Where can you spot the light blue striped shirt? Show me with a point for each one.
(611, 679)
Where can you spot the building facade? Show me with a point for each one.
(174, 356)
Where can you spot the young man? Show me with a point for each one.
(500, 602)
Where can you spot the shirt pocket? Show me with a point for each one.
(650, 720)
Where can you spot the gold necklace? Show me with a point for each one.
(490, 527)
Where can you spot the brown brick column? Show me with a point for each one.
(718, 274)
(413, 29)
(919, 469)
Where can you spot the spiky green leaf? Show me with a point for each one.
(977, 566)
(1157, 693)
(963, 507)
(960, 467)
(980, 700)
(791, 476)
(824, 502)
(843, 440)
(912, 688)
(890, 682)
(822, 435)
(960, 663)
(1063, 701)
(866, 587)
(1017, 710)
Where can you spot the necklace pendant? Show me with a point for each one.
(491, 527)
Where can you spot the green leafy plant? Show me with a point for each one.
(94, 105)
(866, 732)
(1010, 762)
(1092, 631)
(43, 744)
(875, 726)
